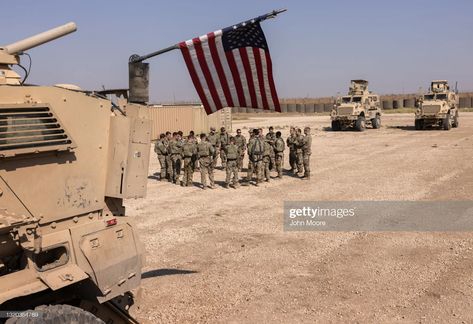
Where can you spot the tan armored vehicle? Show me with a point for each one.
(68, 158)
(358, 109)
(438, 108)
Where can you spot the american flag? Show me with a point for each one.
(232, 68)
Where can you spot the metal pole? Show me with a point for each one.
(135, 58)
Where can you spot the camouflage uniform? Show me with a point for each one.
(279, 152)
(268, 151)
(214, 140)
(189, 150)
(224, 140)
(271, 139)
(251, 167)
(255, 154)
(161, 150)
(240, 141)
(232, 152)
(306, 152)
(175, 151)
(291, 144)
(299, 153)
(205, 153)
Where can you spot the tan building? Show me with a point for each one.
(186, 118)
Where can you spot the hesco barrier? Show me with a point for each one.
(319, 107)
(465, 102)
(283, 108)
(328, 107)
(310, 108)
(398, 104)
(187, 118)
(300, 108)
(387, 104)
(291, 108)
(410, 103)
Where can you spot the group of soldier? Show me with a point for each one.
(265, 154)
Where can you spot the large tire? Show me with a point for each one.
(455, 121)
(419, 124)
(447, 122)
(58, 314)
(360, 124)
(336, 125)
(376, 122)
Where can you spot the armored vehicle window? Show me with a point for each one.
(356, 99)
(429, 97)
(442, 96)
(346, 99)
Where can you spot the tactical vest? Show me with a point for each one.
(232, 152)
(279, 145)
(188, 149)
(258, 147)
(203, 149)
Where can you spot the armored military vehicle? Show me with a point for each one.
(68, 159)
(358, 109)
(438, 108)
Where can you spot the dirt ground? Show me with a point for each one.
(222, 256)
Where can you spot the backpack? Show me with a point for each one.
(258, 147)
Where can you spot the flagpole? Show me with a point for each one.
(135, 58)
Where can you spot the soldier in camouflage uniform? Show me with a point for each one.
(291, 144)
(267, 153)
(232, 152)
(279, 152)
(175, 151)
(255, 154)
(214, 140)
(271, 139)
(161, 150)
(189, 151)
(166, 142)
(251, 169)
(240, 141)
(224, 140)
(205, 154)
(299, 153)
(306, 152)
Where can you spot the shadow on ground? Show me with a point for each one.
(165, 272)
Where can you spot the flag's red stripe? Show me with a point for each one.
(207, 74)
(259, 70)
(249, 77)
(194, 77)
(269, 67)
(218, 66)
(236, 78)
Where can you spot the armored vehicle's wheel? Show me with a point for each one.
(447, 123)
(455, 121)
(419, 123)
(336, 126)
(360, 124)
(58, 314)
(376, 122)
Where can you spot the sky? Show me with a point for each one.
(316, 46)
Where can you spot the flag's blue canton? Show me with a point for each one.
(244, 35)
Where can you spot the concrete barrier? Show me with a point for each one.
(291, 108)
(398, 104)
(300, 108)
(387, 104)
(319, 107)
(465, 102)
(283, 108)
(410, 103)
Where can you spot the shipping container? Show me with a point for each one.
(186, 118)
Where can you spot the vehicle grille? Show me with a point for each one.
(431, 109)
(342, 111)
(31, 129)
